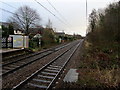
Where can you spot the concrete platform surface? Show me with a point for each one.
(7, 50)
(71, 76)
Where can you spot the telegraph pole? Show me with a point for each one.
(86, 16)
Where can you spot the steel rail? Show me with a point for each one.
(34, 54)
(30, 77)
(27, 63)
(49, 87)
(44, 67)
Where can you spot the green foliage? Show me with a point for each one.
(6, 31)
(33, 43)
(101, 63)
(11, 29)
(104, 25)
(105, 37)
(48, 37)
(92, 20)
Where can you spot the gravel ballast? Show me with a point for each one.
(15, 78)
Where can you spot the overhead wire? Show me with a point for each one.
(7, 11)
(51, 12)
(13, 13)
(38, 3)
(43, 7)
(8, 5)
(22, 16)
(10, 12)
(58, 12)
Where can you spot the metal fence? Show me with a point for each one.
(7, 42)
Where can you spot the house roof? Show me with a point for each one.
(5, 24)
(59, 33)
(35, 30)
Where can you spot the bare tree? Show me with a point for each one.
(92, 20)
(25, 17)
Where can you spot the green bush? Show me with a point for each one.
(33, 43)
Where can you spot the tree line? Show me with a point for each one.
(104, 24)
(100, 63)
(25, 19)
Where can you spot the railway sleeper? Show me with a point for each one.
(14, 66)
(37, 86)
(39, 82)
(41, 78)
(52, 68)
(43, 81)
(8, 68)
(48, 77)
(21, 63)
(47, 73)
(54, 71)
(3, 70)
(55, 66)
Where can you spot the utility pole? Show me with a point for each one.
(86, 16)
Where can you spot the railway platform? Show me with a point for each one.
(8, 50)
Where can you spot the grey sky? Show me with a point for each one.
(72, 10)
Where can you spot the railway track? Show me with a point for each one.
(10, 67)
(46, 76)
(14, 54)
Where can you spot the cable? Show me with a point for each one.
(13, 14)
(7, 11)
(16, 8)
(58, 12)
(38, 3)
(23, 17)
(50, 12)
(54, 8)
(44, 7)
(8, 5)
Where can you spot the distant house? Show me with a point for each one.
(4, 24)
(18, 32)
(35, 30)
(59, 34)
(32, 31)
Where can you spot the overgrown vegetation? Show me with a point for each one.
(48, 37)
(6, 31)
(100, 64)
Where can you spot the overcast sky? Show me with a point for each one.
(73, 12)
